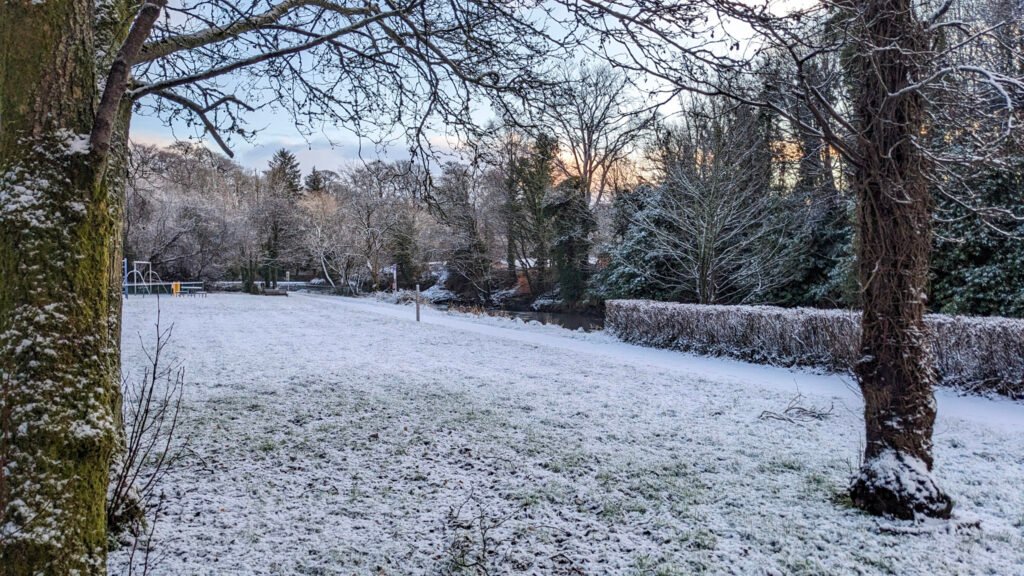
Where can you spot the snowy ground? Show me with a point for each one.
(337, 436)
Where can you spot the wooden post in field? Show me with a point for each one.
(417, 302)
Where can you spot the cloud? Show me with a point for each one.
(327, 152)
(320, 152)
(150, 138)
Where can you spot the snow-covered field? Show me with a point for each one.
(338, 436)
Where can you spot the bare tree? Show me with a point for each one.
(180, 209)
(376, 199)
(903, 64)
(376, 67)
(331, 232)
(714, 232)
(152, 410)
(599, 122)
(319, 230)
(454, 201)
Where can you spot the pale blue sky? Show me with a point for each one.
(327, 151)
(331, 149)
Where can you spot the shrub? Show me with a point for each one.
(971, 353)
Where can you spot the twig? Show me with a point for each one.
(795, 413)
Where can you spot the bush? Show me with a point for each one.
(971, 353)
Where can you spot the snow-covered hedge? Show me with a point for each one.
(976, 354)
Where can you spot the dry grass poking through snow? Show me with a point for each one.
(330, 437)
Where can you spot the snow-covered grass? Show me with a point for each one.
(338, 436)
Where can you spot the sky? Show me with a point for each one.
(274, 131)
(331, 149)
(327, 151)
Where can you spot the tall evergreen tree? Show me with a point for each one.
(284, 188)
(402, 245)
(572, 223)
(978, 266)
(316, 181)
(530, 180)
(632, 252)
(284, 175)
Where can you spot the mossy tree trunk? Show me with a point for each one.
(59, 309)
(114, 185)
(111, 30)
(895, 371)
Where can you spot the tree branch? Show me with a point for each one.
(117, 80)
(255, 59)
(214, 34)
(200, 111)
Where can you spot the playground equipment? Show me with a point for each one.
(187, 289)
(142, 274)
(143, 280)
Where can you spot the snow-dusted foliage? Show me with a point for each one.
(980, 354)
(976, 354)
(713, 230)
(193, 214)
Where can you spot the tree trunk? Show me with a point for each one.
(115, 182)
(323, 266)
(58, 347)
(895, 370)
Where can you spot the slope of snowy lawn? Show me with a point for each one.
(338, 436)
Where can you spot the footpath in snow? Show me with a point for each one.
(338, 436)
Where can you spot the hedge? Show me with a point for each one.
(981, 355)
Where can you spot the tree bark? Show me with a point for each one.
(115, 184)
(58, 341)
(895, 371)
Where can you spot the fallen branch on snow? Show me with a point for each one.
(795, 413)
